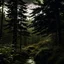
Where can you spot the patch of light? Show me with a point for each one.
(44, 14)
(40, 12)
(5, 9)
(62, 3)
(30, 61)
(32, 6)
(29, 10)
(41, 1)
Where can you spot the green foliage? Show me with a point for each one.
(44, 50)
(13, 58)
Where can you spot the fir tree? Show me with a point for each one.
(12, 20)
(16, 20)
(22, 22)
(47, 17)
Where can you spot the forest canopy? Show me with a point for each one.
(39, 38)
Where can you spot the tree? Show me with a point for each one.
(22, 22)
(16, 20)
(48, 19)
(40, 26)
(2, 17)
(12, 20)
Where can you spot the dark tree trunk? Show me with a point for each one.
(2, 17)
(20, 41)
(15, 26)
(58, 23)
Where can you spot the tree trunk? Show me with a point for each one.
(15, 26)
(20, 41)
(58, 23)
(2, 17)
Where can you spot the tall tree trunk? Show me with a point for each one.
(2, 17)
(20, 41)
(15, 26)
(25, 41)
(58, 20)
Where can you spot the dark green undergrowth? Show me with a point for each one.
(42, 52)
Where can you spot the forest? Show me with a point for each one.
(31, 31)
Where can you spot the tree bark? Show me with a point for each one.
(2, 17)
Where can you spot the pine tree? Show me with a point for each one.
(40, 22)
(16, 20)
(12, 20)
(49, 20)
(55, 8)
(22, 22)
